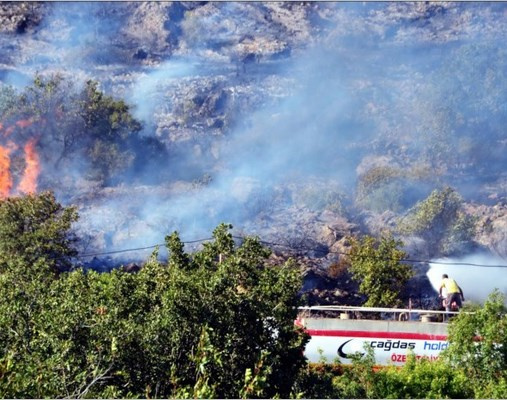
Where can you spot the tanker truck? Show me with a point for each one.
(339, 332)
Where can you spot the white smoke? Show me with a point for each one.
(477, 274)
(144, 92)
(373, 78)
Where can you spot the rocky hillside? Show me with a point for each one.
(301, 122)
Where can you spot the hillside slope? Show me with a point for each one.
(302, 123)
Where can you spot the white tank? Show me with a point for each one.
(338, 338)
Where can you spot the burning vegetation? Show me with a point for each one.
(11, 181)
(296, 157)
(53, 128)
(304, 123)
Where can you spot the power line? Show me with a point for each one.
(457, 263)
(137, 248)
(386, 259)
(118, 251)
(305, 249)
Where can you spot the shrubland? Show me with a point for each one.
(440, 221)
(217, 323)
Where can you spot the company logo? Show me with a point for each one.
(385, 345)
(342, 354)
(435, 345)
(389, 344)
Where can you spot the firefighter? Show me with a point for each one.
(454, 294)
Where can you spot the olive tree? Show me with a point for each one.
(217, 323)
(85, 128)
(376, 265)
(36, 228)
(440, 220)
(478, 346)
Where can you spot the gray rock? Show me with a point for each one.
(21, 17)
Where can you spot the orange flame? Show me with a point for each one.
(5, 173)
(28, 183)
(24, 123)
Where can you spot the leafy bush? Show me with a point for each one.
(109, 126)
(376, 265)
(460, 234)
(422, 379)
(219, 324)
(83, 127)
(315, 381)
(478, 346)
(440, 221)
(36, 228)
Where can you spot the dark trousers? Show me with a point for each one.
(452, 298)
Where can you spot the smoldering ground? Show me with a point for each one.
(414, 84)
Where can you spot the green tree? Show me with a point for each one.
(439, 220)
(79, 124)
(110, 127)
(249, 309)
(219, 323)
(52, 106)
(478, 346)
(376, 265)
(36, 230)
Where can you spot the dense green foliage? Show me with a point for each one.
(214, 324)
(440, 221)
(421, 379)
(376, 264)
(480, 347)
(109, 125)
(417, 379)
(36, 230)
(217, 324)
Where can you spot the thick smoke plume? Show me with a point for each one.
(254, 101)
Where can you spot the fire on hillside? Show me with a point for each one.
(18, 147)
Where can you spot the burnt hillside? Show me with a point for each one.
(303, 123)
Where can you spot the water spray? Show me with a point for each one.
(477, 282)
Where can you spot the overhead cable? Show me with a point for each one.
(305, 249)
